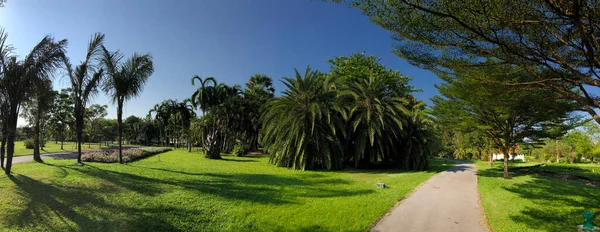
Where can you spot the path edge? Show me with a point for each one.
(484, 222)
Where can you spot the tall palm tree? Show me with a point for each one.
(85, 80)
(125, 81)
(300, 127)
(18, 77)
(202, 96)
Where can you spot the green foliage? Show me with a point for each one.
(240, 149)
(302, 124)
(360, 115)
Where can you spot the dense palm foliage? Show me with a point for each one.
(303, 124)
(125, 81)
(85, 80)
(361, 115)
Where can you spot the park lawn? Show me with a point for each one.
(531, 202)
(51, 147)
(181, 191)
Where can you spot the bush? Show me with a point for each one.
(29, 143)
(240, 149)
(129, 155)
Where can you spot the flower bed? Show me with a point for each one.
(131, 154)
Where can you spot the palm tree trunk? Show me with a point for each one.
(79, 129)
(3, 143)
(12, 128)
(119, 129)
(36, 140)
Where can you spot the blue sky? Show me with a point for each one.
(227, 39)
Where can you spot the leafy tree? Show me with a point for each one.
(125, 81)
(61, 115)
(35, 111)
(555, 42)
(85, 79)
(92, 115)
(301, 126)
(507, 117)
(18, 77)
(581, 144)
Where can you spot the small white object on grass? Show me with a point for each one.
(380, 185)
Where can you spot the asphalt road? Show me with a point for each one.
(447, 202)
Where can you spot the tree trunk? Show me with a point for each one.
(119, 129)
(3, 142)
(506, 156)
(490, 158)
(36, 141)
(10, 140)
(79, 129)
(556, 151)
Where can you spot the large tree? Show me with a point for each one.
(19, 76)
(125, 81)
(35, 111)
(555, 42)
(508, 117)
(85, 79)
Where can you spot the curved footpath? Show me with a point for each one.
(446, 202)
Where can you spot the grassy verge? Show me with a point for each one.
(180, 191)
(532, 202)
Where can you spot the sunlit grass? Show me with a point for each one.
(180, 191)
(52, 147)
(530, 202)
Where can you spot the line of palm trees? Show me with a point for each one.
(100, 70)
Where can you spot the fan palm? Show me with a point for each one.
(300, 126)
(17, 78)
(125, 81)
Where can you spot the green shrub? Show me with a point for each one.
(240, 149)
(29, 144)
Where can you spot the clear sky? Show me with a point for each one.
(227, 39)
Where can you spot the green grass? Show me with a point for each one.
(530, 202)
(180, 191)
(51, 147)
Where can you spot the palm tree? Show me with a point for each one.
(417, 137)
(374, 120)
(85, 80)
(202, 96)
(300, 127)
(17, 78)
(125, 81)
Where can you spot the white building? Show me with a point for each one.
(512, 157)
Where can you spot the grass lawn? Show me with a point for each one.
(531, 202)
(181, 191)
(51, 147)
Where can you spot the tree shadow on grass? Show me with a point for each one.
(238, 160)
(80, 209)
(557, 204)
(98, 206)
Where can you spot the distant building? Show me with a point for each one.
(515, 155)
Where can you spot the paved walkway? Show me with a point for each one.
(28, 158)
(447, 202)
